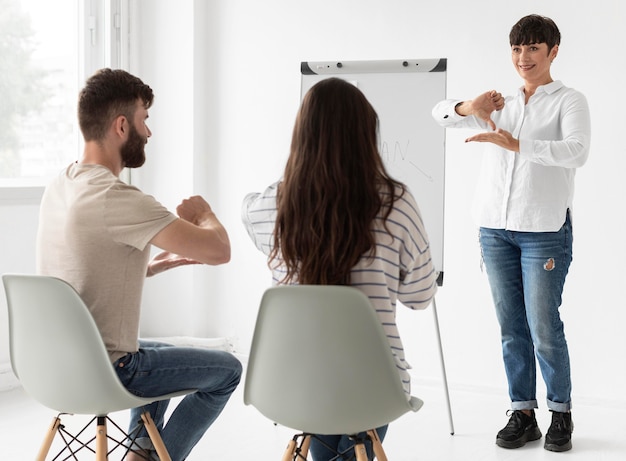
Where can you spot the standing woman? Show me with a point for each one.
(523, 205)
(337, 218)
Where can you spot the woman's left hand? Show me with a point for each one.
(499, 137)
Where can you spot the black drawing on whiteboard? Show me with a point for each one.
(429, 177)
(400, 157)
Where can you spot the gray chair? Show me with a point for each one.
(59, 357)
(320, 363)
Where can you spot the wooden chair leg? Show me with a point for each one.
(101, 439)
(360, 451)
(379, 452)
(295, 453)
(47, 441)
(304, 448)
(290, 450)
(155, 437)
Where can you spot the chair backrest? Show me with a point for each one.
(320, 362)
(56, 349)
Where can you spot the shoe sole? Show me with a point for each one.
(558, 448)
(527, 437)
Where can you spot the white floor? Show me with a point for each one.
(242, 433)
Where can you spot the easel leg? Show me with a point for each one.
(443, 367)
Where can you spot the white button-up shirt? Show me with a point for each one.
(530, 190)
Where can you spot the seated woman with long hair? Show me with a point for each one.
(337, 218)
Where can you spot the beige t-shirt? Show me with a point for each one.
(94, 233)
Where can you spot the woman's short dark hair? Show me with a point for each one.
(107, 94)
(535, 29)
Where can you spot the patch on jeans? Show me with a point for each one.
(549, 264)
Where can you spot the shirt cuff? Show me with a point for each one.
(445, 112)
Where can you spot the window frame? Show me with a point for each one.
(104, 28)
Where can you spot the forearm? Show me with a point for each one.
(218, 240)
(464, 108)
(453, 113)
(210, 222)
(207, 245)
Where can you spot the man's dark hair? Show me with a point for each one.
(107, 94)
(535, 29)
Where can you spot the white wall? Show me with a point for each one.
(226, 77)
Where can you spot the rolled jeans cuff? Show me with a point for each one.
(144, 443)
(560, 407)
(526, 405)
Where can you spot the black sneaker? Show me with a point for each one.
(520, 429)
(559, 436)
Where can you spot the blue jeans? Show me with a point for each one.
(158, 369)
(341, 443)
(526, 272)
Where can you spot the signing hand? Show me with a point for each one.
(499, 137)
(194, 209)
(165, 261)
(482, 106)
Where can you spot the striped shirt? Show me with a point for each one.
(401, 269)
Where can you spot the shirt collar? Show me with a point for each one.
(548, 88)
(551, 87)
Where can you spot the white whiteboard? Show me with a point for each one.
(403, 93)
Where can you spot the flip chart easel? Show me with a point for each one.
(412, 145)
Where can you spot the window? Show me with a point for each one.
(46, 51)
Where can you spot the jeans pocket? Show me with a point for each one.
(125, 368)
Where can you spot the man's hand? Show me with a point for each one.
(165, 261)
(198, 235)
(195, 209)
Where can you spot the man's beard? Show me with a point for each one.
(132, 152)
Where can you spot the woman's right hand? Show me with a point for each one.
(482, 106)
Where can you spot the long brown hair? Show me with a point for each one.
(333, 188)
